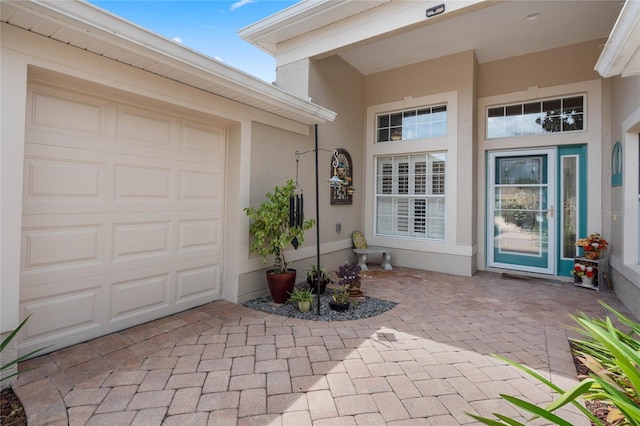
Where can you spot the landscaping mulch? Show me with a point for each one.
(11, 409)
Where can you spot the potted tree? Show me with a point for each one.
(273, 230)
(318, 279)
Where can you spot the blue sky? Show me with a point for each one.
(208, 26)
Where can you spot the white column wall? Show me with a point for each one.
(13, 80)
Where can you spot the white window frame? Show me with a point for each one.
(630, 214)
(388, 187)
(541, 101)
(412, 123)
(447, 143)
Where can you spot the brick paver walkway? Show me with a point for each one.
(424, 362)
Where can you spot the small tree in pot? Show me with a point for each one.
(273, 230)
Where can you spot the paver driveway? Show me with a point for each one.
(424, 362)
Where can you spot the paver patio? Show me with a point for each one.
(426, 361)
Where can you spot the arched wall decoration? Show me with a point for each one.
(342, 167)
(616, 164)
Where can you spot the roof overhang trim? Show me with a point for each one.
(87, 20)
(621, 54)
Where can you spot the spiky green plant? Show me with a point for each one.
(5, 367)
(613, 358)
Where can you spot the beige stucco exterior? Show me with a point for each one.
(255, 140)
(470, 88)
(264, 130)
(621, 203)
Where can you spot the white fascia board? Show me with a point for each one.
(623, 43)
(373, 23)
(263, 34)
(112, 29)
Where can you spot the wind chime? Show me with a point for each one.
(296, 206)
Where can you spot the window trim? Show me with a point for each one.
(447, 144)
(541, 101)
(393, 129)
(631, 178)
(396, 162)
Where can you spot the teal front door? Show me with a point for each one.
(521, 225)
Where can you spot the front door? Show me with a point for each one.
(521, 210)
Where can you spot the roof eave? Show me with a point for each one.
(621, 53)
(110, 28)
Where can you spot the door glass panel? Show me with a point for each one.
(520, 170)
(522, 227)
(569, 203)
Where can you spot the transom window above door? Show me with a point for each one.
(536, 118)
(421, 123)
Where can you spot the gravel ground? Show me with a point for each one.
(365, 307)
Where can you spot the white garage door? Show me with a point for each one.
(122, 214)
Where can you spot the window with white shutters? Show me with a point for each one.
(410, 196)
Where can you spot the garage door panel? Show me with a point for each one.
(115, 300)
(199, 234)
(144, 128)
(62, 247)
(63, 179)
(133, 240)
(144, 294)
(199, 186)
(72, 115)
(62, 314)
(142, 183)
(196, 139)
(194, 284)
(122, 216)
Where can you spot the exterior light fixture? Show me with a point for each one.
(435, 10)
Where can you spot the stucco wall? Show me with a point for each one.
(23, 52)
(338, 86)
(624, 95)
(621, 209)
(548, 68)
(273, 161)
(456, 73)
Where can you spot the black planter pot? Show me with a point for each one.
(314, 287)
(340, 307)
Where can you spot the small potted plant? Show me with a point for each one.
(318, 279)
(303, 296)
(272, 230)
(349, 275)
(340, 299)
(592, 245)
(586, 273)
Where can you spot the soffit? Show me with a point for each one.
(493, 29)
(87, 27)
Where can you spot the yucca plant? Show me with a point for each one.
(5, 367)
(613, 358)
